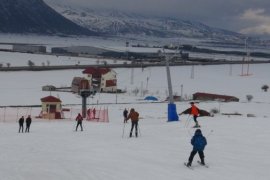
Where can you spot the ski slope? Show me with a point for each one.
(238, 146)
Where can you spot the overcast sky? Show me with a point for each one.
(245, 16)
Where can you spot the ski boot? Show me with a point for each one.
(197, 125)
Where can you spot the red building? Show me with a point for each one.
(214, 97)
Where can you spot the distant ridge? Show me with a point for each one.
(34, 16)
(119, 23)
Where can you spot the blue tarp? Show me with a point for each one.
(151, 98)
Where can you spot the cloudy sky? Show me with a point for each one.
(245, 16)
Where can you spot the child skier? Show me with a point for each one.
(79, 120)
(198, 142)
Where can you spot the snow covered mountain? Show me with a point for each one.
(35, 16)
(117, 23)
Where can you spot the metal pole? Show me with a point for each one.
(172, 114)
(181, 98)
(169, 80)
(84, 106)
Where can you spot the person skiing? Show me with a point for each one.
(79, 120)
(194, 111)
(125, 114)
(134, 116)
(21, 121)
(28, 123)
(198, 142)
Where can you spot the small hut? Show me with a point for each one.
(51, 108)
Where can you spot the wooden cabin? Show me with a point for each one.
(51, 108)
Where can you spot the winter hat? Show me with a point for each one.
(198, 131)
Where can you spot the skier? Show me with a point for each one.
(194, 111)
(28, 123)
(79, 120)
(198, 142)
(21, 121)
(134, 116)
(125, 114)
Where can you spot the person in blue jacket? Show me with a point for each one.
(198, 142)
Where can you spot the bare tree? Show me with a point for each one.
(249, 97)
(265, 88)
(30, 63)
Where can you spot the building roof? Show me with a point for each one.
(215, 96)
(96, 72)
(50, 99)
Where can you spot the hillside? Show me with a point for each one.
(114, 22)
(34, 16)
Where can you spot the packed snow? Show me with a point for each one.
(238, 145)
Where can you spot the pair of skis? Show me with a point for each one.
(199, 162)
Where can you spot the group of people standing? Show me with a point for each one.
(28, 122)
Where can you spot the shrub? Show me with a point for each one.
(265, 88)
(214, 111)
(249, 97)
(30, 63)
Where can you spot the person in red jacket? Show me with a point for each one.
(79, 120)
(134, 116)
(194, 111)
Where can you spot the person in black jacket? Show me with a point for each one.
(28, 123)
(198, 142)
(21, 121)
(125, 114)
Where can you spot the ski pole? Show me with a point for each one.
(210, 133)
(139, 130)
(123, 130)
(188, 120)
(189, 133)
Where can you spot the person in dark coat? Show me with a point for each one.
(134, 116)
(28, 123)
(125, 114)
(198, 142)
(21, 121)
(79, 120)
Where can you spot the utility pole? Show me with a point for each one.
(172, 114)
(181, 98)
